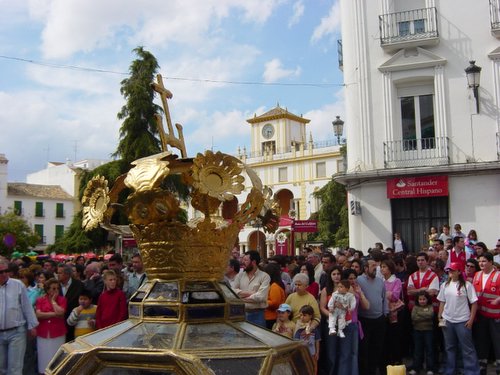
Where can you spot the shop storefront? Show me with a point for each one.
(417, 203)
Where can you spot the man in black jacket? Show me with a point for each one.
(70, 289)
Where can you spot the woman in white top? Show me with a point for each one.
(457, 310)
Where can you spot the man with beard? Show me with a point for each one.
(373, 320)
(252, 285)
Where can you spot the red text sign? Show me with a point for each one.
(305, 226)
(417, 187)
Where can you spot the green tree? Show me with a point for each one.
(15, 227)
(75, 240)
(333, 229)
(138, 139)
(138, 131)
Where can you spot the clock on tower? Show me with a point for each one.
(268, 131)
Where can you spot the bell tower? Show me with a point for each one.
(277, 131)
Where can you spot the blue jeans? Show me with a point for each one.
(12, 348)
(423, 341)
(256, 317)
(343, 352)
(454, 333)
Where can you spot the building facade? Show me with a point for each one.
(419, 152)
(287, 160)
(49, 199)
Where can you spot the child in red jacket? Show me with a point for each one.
(112, 304)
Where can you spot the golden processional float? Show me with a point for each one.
(185, 319)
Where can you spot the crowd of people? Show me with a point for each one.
(359, 313)
(44, 304)
(356, 312)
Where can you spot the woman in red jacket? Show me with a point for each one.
(51, 332)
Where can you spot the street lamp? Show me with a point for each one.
(338, 127)
(473, 73)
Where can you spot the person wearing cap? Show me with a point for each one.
(456, 317)
(284, 326)
(487, 325)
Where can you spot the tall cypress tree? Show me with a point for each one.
(138, 130)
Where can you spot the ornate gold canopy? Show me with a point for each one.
(185, 319)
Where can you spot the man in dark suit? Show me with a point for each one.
(70, 289)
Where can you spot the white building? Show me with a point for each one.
(65, 175)
(287, 160)
(419, 153)
(49, 199)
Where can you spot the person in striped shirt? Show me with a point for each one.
(83, 316)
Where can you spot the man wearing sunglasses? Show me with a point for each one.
(16, 316)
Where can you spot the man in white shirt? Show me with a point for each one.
(17, 317)
(315, 259)
(252, 286)
(136, 278)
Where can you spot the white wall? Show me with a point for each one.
(375, 223)
(475, 204)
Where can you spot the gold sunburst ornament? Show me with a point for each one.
(218, 175)
(184, 319)
(95, 202)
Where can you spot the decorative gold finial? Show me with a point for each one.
(168, 138)
(171, 247)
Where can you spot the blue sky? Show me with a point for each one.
(50, 113)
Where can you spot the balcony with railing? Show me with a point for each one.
(495, 17)
(288, 152)
(409, 29)
(340, 54)
(416, 152)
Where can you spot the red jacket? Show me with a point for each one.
(50, 327)
(487, 294)
(111, 308)
(425, 282)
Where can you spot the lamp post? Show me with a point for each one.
(473, 73)
(338, 127)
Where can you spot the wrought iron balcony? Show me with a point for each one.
(409, 29)
(416, 152)
(495, 17)
(340, 54)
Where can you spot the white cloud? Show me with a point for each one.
(329, 24)
(224, 131)
(49, 129)
(298, 11)
(83, 25)
(321, 118)
(274, 71)
(89, 83)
